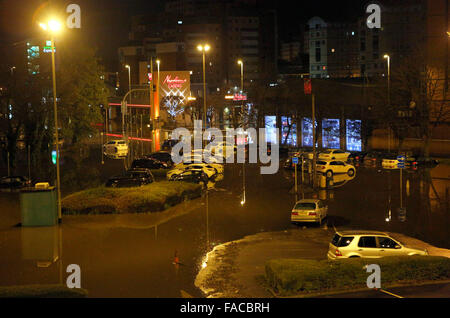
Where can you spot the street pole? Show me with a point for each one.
(204, 89)
(389, 96)
(55, 108)
(314, 140)
(29, 162)
(152, 109)
(243, 127)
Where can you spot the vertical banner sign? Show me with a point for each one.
(307, 86)
(174, 90)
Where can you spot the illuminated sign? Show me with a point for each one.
(239, 97)
(150, 77)
(174, 90)
(175, 82)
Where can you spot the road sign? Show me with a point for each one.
(295, 160)
(401, 158)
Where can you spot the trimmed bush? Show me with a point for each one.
(154, 197)
(295, 276)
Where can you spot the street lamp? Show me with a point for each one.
(386, 56)
(241, 63)
(53, 27)
(204, 48)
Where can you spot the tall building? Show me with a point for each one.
(333, 49)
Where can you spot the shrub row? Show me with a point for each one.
(154, 197)
(296, 276)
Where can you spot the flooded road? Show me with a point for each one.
(132, 255)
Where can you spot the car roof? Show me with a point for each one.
(360, 232)
(308, 201)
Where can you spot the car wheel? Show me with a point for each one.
(351, 172)
(329, 173)
(354, 256)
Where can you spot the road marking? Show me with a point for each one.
(389, 293)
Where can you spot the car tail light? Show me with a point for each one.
(294, 213)
(414, 163)
(357, 158)
(323, 168)
(338, 252)
(312, 213)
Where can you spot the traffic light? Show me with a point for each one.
(54, 157)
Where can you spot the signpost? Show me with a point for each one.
(401, 165)
(295, 162)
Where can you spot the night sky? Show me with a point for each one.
(105, 23)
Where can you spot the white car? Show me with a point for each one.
(334, 154)
(208, 169)
(309, 210)
(369, 244)
(116, 148)
(223, 148)
(329, 168)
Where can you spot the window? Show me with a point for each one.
(363, 45)
(345, 241)
(305, 206)
(367, 241)
(317, 43)
(386, 242)
(318, 54)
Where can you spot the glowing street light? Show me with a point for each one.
(204, 48)
(52, 27)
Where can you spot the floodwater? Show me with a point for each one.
(132, 255)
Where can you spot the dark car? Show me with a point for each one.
(288, 164)
(162, 156)
(14, 182)
(425, 161)
(148, 163)
(131, 178)
(192, 176)
(357, 156)
(169, 143)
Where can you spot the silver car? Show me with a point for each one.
(309, 210)
(368, 244)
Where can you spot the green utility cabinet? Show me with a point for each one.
(39, 207)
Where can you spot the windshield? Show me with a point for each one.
(305, 206)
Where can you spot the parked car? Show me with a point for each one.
(14, 182)
(192, 176)
(425, 161)
(131, 178)
(357, 156)
(163, 156)
(168, 144)
(329, 168)
(309, 210)
(288, 164)
(224, 148)
(208, 169)
(116, 148)
(148, 163)
(369, 244)
(334, 154)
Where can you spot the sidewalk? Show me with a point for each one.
(236, 269)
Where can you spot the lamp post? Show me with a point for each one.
(241, 63)
(386, 56)
(204, 48)
(54, 27)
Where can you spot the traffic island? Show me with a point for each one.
(155, 197)
(303, 277)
